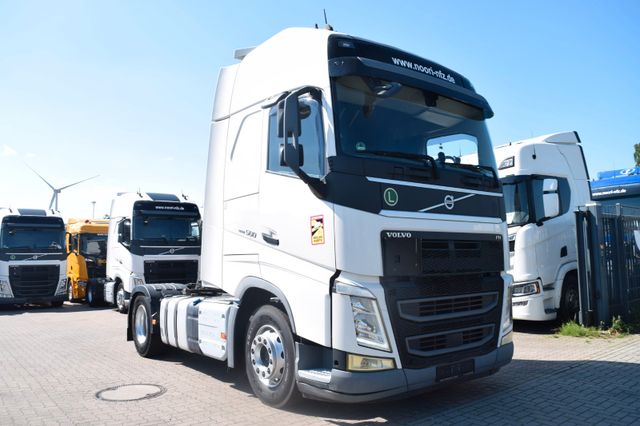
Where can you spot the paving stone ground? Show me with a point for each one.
(54, 361)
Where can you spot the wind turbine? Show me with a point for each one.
(56, 191)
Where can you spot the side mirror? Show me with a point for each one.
(300, 155)
(550, 198)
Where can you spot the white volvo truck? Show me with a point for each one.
(544, 179)
(152, 238)
(348, 253)
(33, 260)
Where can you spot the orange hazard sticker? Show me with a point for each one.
(317, 229)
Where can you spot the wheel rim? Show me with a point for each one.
(89, 294)
(70, 291)
(140, 325)
(120, 298)
(268, 357)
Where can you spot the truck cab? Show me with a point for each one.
(544, 179)
(86, 255)
(152, 238)
(353, 227)
(32, 257)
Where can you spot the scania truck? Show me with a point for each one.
(86, 255)
(152, 238)
(32, 257)
(350, 252)
(544, 179)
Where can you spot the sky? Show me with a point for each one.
(124, 89)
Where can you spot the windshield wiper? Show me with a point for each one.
(475, 168)
(423, 158)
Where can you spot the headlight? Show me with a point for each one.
(5, 289)
(368, 363)
(367, 321)
(62, 287)
(526, 288)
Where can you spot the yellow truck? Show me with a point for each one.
(87, 256)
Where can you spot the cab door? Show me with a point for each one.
(296, 227)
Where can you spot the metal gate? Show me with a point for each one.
(608, 243)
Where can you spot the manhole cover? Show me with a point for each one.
(130, 392)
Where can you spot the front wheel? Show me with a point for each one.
(70, 292)
(121, 299)
(147, 344)
(570, 300)
(270, 357)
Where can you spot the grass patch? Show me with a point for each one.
(574, 329)
(618, 329)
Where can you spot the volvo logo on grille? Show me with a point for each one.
(398, 234)
(449, 202)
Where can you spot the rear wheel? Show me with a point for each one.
(70, 292)
(147, 344)
(570, 300)
(270, 357)
(121, 299)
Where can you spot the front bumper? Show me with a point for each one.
(34, 300)
(352, 387)
(534, 307)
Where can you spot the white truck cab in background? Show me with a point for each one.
(544, 180)
(33, 259)
(349, 252)
(152, 238)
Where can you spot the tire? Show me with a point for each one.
(570, 300)
(70, 292)
(147, 344)
(120, 299)
(270, 357)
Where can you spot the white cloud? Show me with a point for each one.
(7, 151)
(29, 155)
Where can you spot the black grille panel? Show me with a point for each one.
(460, 256)
(440, 319)
(447, 307)
(34, 281)
(449, 341)
(171, 271)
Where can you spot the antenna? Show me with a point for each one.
(184, 195)
(326, 23)
(57, 191)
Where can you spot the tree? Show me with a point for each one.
(636, 153)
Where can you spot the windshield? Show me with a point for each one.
(164, 229)
(26, 236)
(93, 245)
(382, 118)
(516, 203)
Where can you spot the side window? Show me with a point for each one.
(311, 139)
(124, 231)
(563, 192)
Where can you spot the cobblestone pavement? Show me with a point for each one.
(54, 361)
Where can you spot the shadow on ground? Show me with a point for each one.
(516, 394)
(66, 308)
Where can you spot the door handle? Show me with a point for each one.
(271, 237)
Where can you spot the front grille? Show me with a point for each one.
(449, 341)
(171, 271)
(34, 281)
(440, 256)
(447, 307)
(444, 318)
